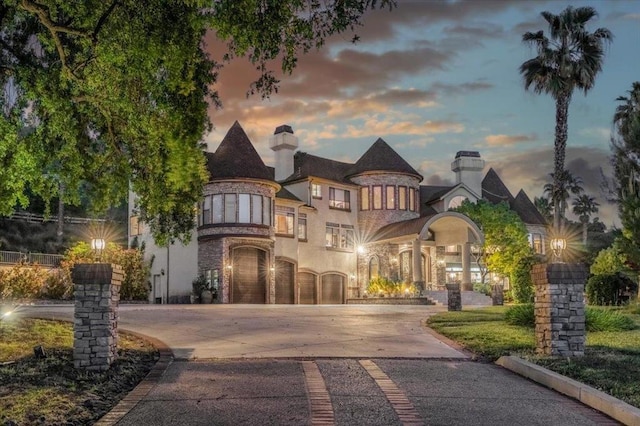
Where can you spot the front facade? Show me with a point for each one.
(316, 231)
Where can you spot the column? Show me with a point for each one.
(96, 288)
(466, 267)
(418, 279)
(559, 309)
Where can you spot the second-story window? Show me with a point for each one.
(377, 197)
(412, 200)
(339, 199)
(316, 190)
(391, 197)
(284, 220)
(364, 198)
(402, 197)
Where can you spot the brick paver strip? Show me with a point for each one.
(403, 407)
(319, 399)
(139, 392)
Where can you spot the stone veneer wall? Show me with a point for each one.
(369, 221)
(95, 327)
(441, 267)
(454, 297)
(559, 309)
(215, 253)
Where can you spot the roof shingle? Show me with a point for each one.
(381, 157)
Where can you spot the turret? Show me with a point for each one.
(283, 143)
(468, 168)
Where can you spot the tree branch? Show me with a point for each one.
(103, 20)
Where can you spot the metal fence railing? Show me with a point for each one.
(44, 259)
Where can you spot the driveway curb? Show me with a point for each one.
(613, 407)
(138, 393)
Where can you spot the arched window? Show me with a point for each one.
(374, 268)
(456, 201)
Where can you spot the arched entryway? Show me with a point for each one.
(332, 289)
(308, 289)
(285, 281)
(250, 274)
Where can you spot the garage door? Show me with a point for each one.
(249, 275)
(307, 283)
(332, 289)
(285, 279)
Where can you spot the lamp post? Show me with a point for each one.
(557, 245)
(98, 245)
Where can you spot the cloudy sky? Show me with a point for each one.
(435, 77)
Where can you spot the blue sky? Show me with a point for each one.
(435, 77)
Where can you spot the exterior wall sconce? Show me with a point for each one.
(98, 245)
(557, 245)
(361, 250)
(272, 269)
(440, 263)
(229, 267)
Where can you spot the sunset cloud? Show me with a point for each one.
(508, 140)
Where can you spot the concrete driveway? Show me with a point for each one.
(281, 331)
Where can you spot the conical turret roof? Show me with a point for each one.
(380, 157)
(237, 158)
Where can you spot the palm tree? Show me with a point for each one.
(568, 184)
(569, 59)
(583, 207)
(544, 207)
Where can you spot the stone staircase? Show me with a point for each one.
(469, 298)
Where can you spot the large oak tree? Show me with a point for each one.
(114, 94)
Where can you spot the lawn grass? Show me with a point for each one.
(611, 362)
(51, 391)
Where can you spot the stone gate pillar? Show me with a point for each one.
(559, 309)
(454, 297)
(96, 287)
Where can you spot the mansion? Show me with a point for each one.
(312, 230)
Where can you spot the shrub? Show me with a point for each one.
(522, 290)
(607, 320)
(595, 319)
(612, 289)
(523, 315)
(22, 281)
(385, 286)
(57, 285)
(484, 288)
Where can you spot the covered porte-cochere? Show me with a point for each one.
(421, 251)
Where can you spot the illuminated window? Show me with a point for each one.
(340, 236)
(377, 197)
(412, 200)
(402, 197)
(284, 220)
(332, 235)
(364, 198)
(316, 190)
(374, 268)
(135, 226)
(391, 197)
(536, 242)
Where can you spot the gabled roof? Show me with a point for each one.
(236, 158)
(401, 229)
(527, 210)
(494, 190)
(381, 157)
(430, 193)
(306, 165)
(286, 195)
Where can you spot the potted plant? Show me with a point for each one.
(198, 286)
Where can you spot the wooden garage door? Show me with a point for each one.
(285, 279)
(307, 283)
(249, 275)
(332, 289)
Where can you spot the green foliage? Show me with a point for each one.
(198, 285)
(611, 289)
(23, 281)
(505, 236)
(135, 284)
(522, 289)
(384, 286)
(522, 314)
(57, 286)
(607, 320)
(595, 319)
(484, 288)
(115, 95)
(608, 261)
